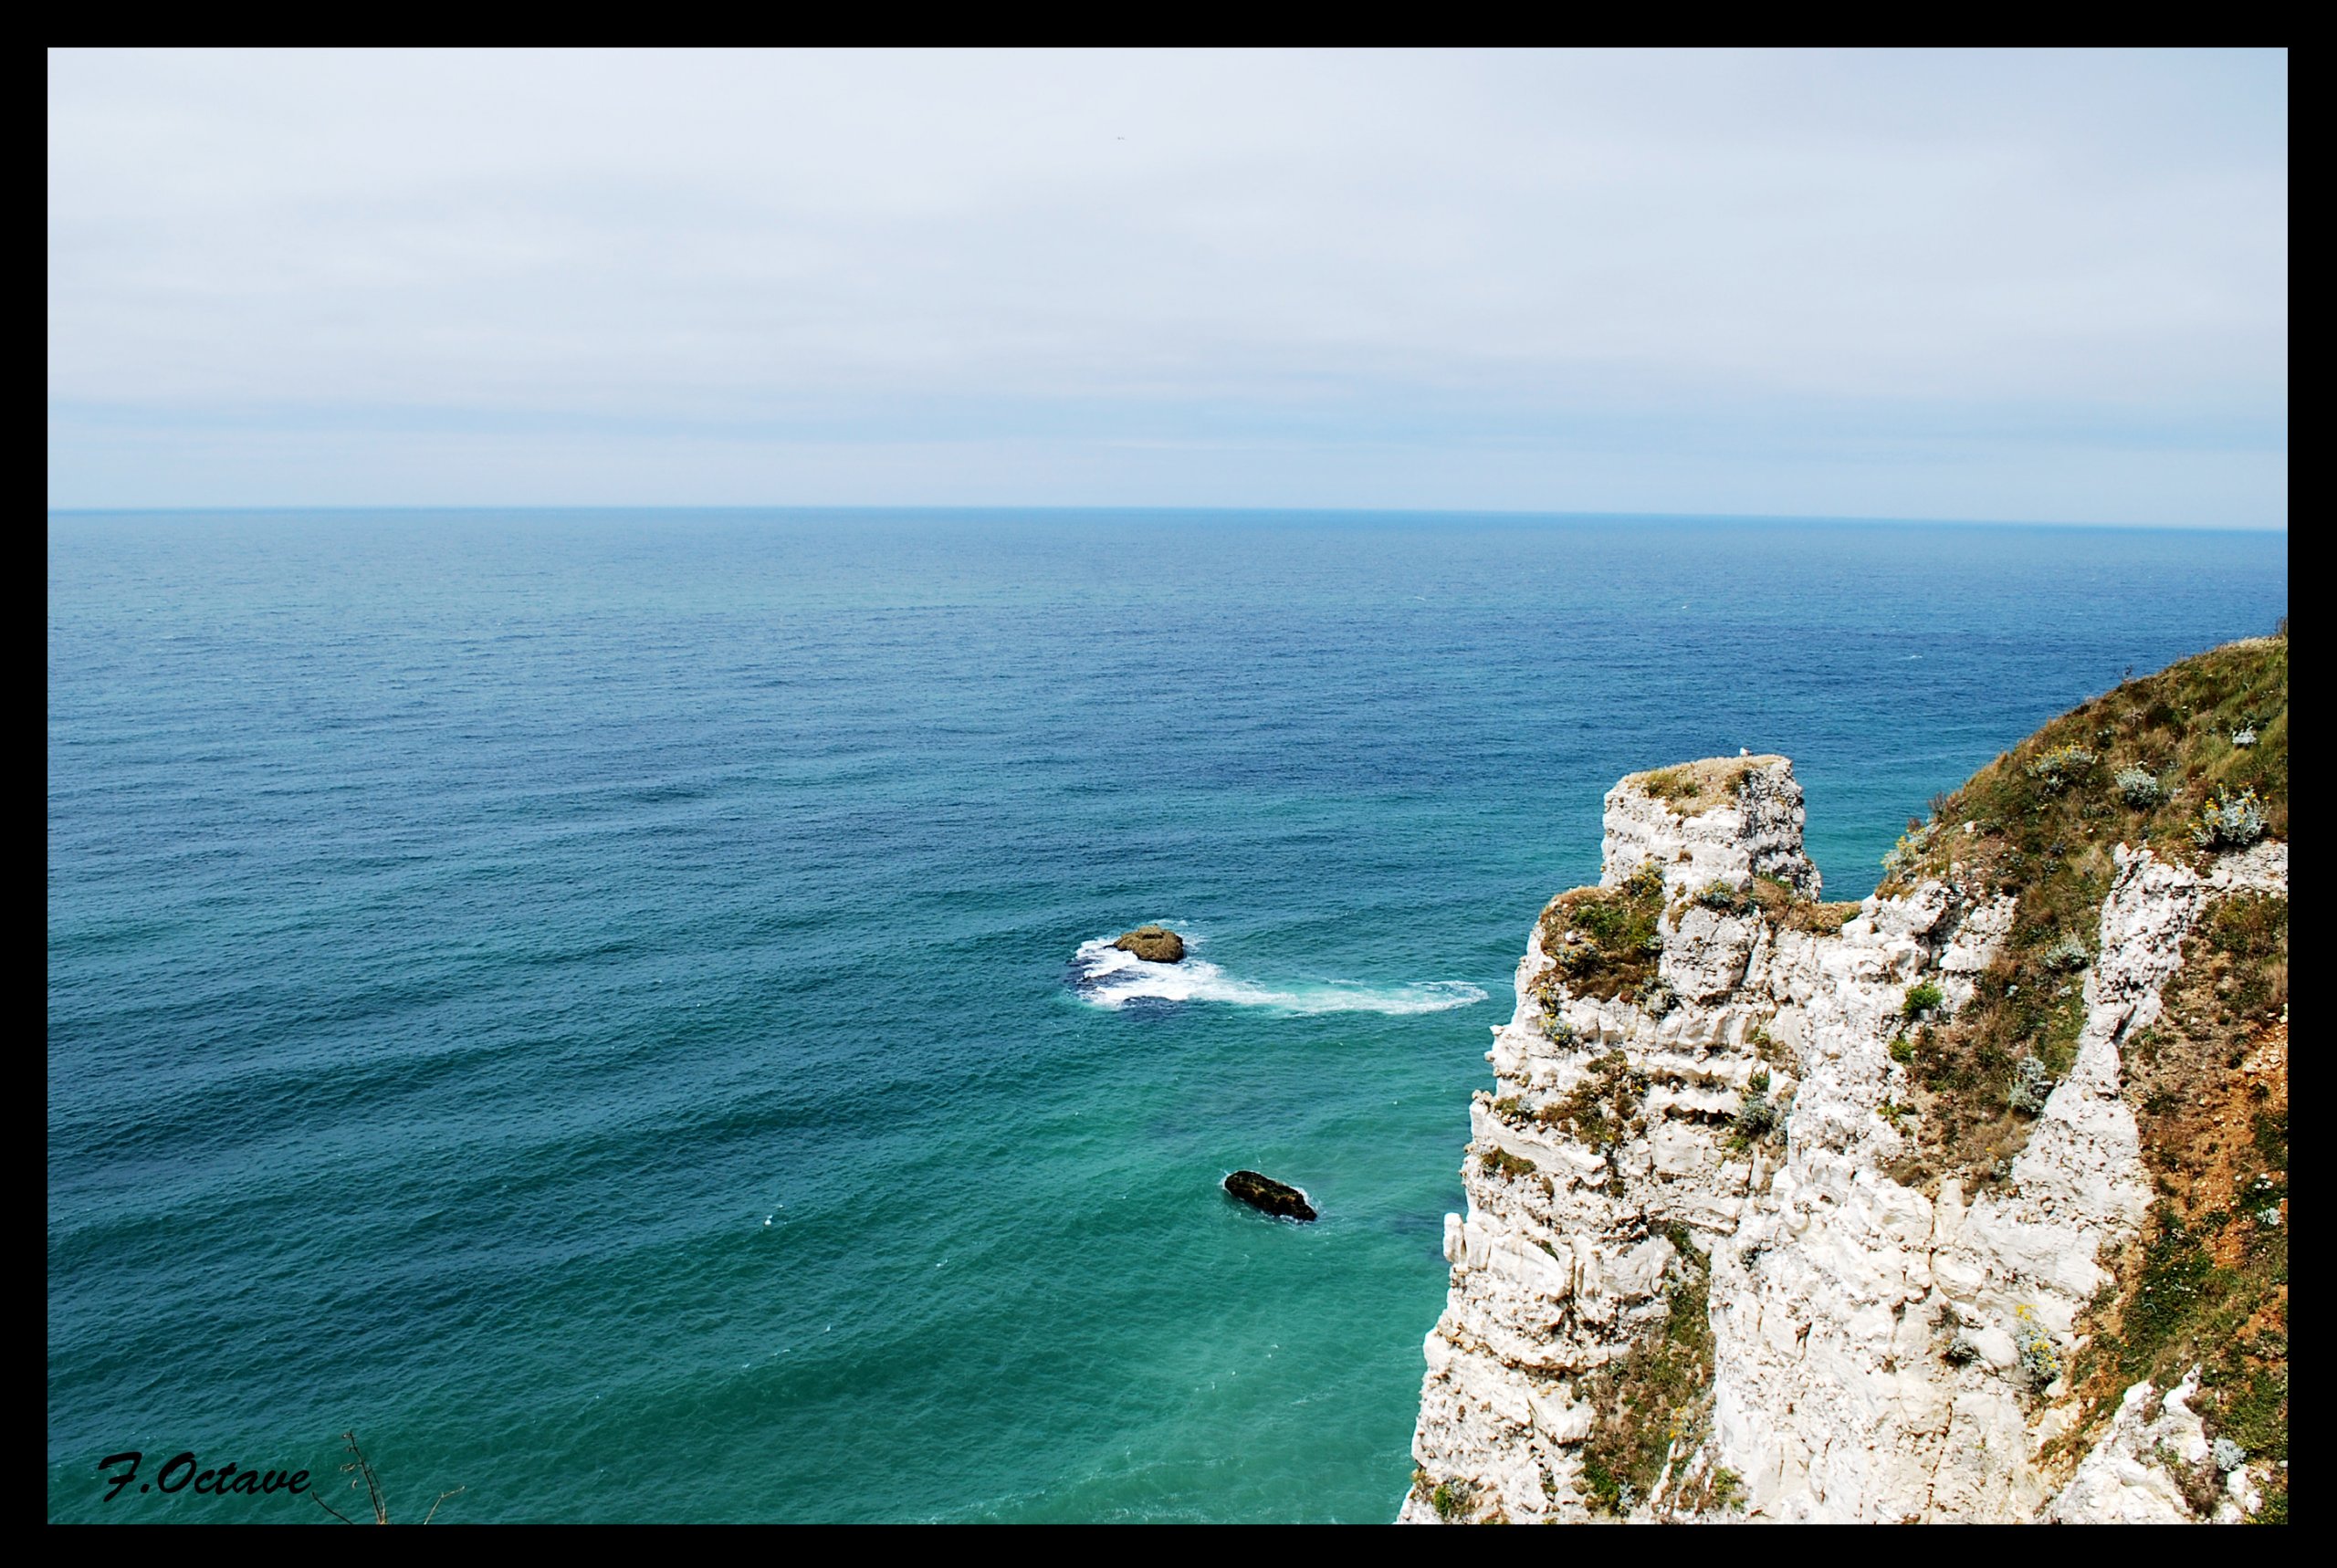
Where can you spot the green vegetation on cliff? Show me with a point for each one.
(2189, 761)
(2207, 1284)
(2190, 764)
(1654, 1407)
(2156, 761)
(1605, 941)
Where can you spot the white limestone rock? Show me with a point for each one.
(1746, 820)
(1868, 1353)
(1705, 951)
(2132, 1476)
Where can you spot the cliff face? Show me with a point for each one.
(1797, 1211)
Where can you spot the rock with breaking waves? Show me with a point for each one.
(1271, 1196)
(1153, 944)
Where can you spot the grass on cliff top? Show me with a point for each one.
(1691, 788)
(2039, 823)
(2045, 813)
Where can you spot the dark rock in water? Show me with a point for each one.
(1267, 1194)
(1153, 944)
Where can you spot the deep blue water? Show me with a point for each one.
(587, 999)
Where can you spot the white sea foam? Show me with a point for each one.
(1109, 977)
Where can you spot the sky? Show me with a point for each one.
(2047, 287)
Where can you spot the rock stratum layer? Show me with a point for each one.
(1779, 1210)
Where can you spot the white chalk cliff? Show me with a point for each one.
(1875, 1353)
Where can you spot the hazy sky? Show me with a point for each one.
(2049, 287)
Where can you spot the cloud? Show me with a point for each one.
(351, 261)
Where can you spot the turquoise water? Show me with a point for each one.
(591, 1000)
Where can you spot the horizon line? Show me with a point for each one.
(1521, 513)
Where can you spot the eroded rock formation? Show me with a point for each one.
(1702, 1272)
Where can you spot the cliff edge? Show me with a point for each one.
(1966, 1201)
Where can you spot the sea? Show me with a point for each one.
(611, 1008)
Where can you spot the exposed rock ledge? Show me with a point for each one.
(1875, 1353)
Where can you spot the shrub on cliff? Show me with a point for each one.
(1691, 788)
(2208, 1284)
(1555, 1027)
(1756, 1119)
(2247, 933)
(2059, 767)
(2139, 788)
(2229, 821)
(2032, 1085)
(2041, 1358)
(1724, 896)
(2067, 955)
(1910, 852)
(1788, 910)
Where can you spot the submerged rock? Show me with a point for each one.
(1272, 1197)
(1153, 944)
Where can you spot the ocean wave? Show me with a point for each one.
(1109, 978)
